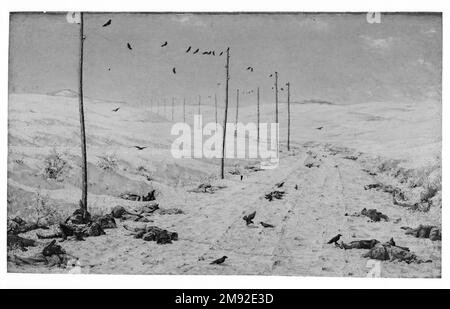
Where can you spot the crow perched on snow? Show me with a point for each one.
(219, 261)
(107, 23)
(165, 44)
(140, 147)
(249, 218)
(334, 239)
(116, 109)
(266, 224)
(129, 46)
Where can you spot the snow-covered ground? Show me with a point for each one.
(212, 225)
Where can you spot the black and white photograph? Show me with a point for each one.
(298, 144)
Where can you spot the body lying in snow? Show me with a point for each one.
(424, 231)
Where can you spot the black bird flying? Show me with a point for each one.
(196, 51)
(129, 46)
(165, 44)
(189, 48)
(219, 261)
(116, 109)
(140, 147)
(249, 218)
(319, 128)
(174, 70)
(107, 23)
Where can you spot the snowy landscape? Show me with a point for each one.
(367, 169)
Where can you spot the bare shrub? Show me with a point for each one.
(389, 166)
(236, 170)
(44, 211)
(55, 166)
(107, 163)
(19, 161)
(146, 173)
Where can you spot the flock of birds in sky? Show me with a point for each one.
(191, 50)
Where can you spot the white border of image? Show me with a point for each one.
(127, 281)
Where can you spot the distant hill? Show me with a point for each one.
(64, 93)
(315, 101)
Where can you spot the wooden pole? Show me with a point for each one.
(215, 107)
(276, 105)
(184, 109)
(199, 103)
(276, 97)
(173, 106)
(84, 182)
(257, 113)
(289, 114)
(237, 105)
(222, 170)
(165, 107)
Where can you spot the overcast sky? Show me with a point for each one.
(335, 57)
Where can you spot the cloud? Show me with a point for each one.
(429, 32)
(377, 44)
(190, 19)
(314, 23)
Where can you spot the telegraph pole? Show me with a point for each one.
(165, 107)
(237, 105)
(173, 105)
(276, 97)
(289, 114)
(199, 102)
(257, 113)
(184, 109)
(84, 182)
(215, 107)
(222, 170)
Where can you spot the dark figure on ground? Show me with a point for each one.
(219, 261)
(249, 218)
(266, 224)
(334, 239)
